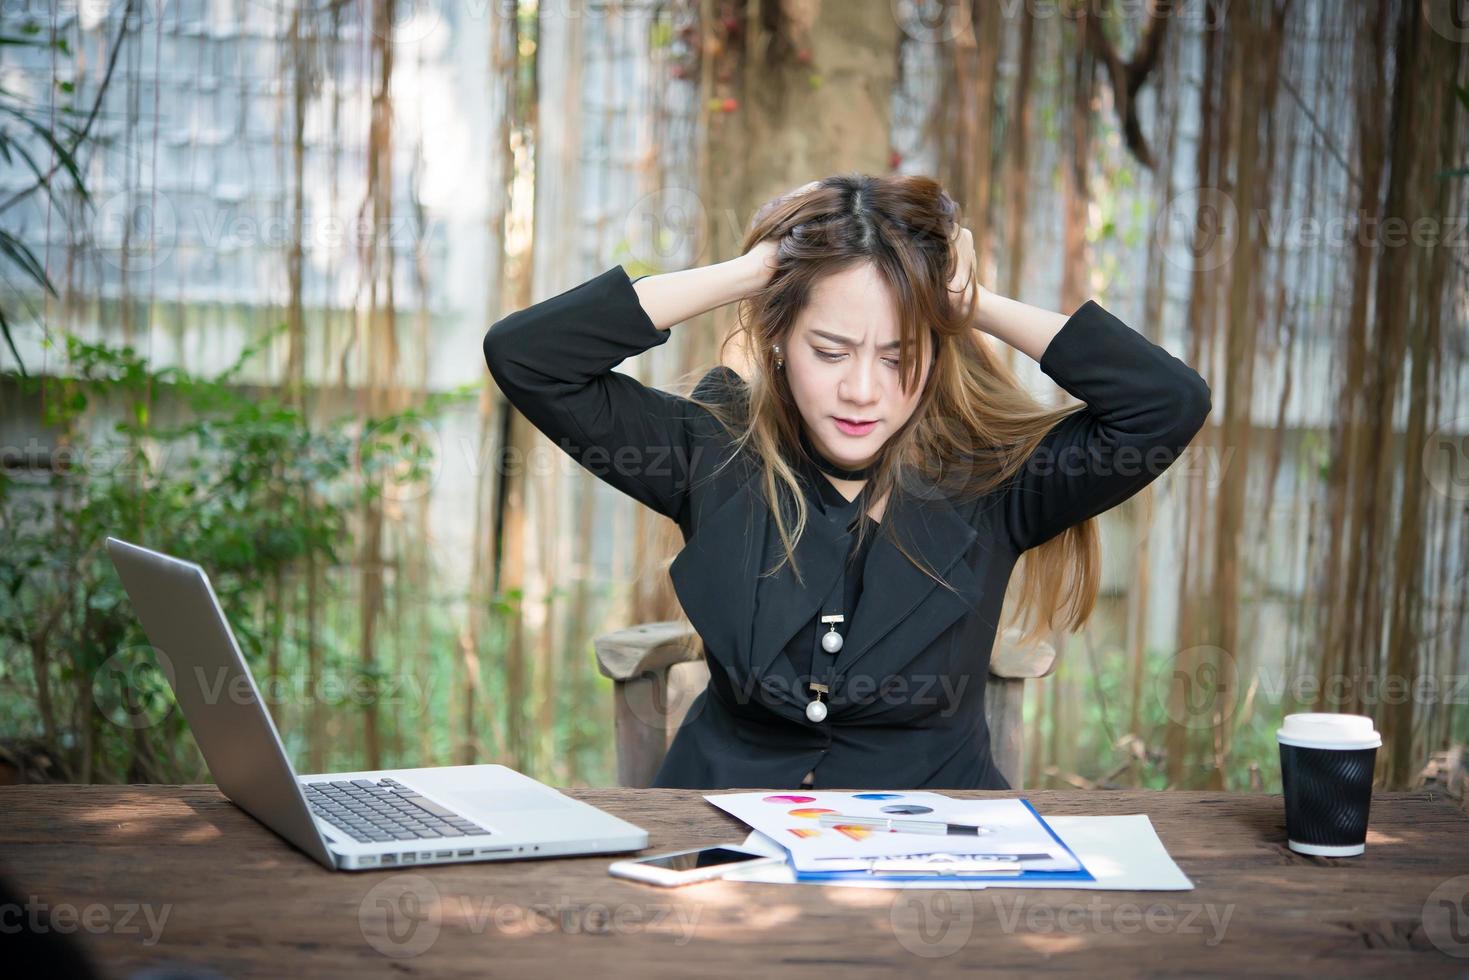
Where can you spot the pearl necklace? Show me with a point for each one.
(831, 640)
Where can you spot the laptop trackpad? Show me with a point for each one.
(501, 800)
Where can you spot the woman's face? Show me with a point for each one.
(841, 361)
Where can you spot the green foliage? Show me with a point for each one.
(30, 136)
(243, 482)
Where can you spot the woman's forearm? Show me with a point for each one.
(1026, 328)
(673, 297)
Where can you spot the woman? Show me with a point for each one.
(853, 501)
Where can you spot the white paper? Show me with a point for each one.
(792, 820)
(1123, 853)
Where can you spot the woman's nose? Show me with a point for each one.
(860, 386)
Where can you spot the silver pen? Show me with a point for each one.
(902, 826)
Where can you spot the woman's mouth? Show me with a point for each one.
(855, 427)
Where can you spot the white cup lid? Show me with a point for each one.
(1323, 730)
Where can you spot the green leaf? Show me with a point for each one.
(10, 342)
(22, 256)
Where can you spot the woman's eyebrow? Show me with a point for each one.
(839, 339)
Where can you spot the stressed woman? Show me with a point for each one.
(855, 499)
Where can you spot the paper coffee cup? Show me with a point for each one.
(1326, 763)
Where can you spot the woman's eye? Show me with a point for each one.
(828, 355)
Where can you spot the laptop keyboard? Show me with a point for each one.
(385, 810)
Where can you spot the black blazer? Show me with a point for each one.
(907, 706)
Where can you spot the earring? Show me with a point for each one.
(780, 362)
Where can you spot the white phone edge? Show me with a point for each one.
(637, 869)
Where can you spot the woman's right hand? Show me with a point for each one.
(762, 257)
(762, 254)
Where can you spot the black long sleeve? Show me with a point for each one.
(554, 362)
(1143, 406)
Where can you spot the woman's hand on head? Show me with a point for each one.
(761, 257)
(965, 268)
(764, 251)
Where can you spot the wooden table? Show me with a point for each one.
(210, 887)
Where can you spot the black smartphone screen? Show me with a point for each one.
(708, 857)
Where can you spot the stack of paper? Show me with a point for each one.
(1123, 853)
(829, 835)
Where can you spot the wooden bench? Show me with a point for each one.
(657, 670)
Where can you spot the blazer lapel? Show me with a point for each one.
(897, 593)
(742, 617)
(750, 619)
(782, 604)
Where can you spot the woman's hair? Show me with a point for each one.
(974, 425)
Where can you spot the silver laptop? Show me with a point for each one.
(351, 820)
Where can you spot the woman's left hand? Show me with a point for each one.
(965, 265)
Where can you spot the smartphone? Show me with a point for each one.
(696, 864)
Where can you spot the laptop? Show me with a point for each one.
(347, 821)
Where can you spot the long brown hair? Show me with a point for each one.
(974, 425)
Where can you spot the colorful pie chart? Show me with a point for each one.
(877, 796)
(907, 808)
(787, 798)
(811, 811)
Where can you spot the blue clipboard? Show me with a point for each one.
(1081, 874)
